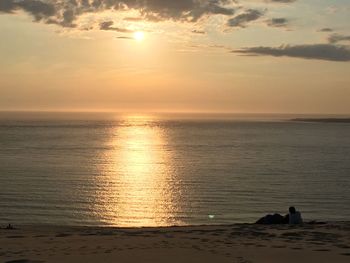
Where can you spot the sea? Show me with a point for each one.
(129, 170)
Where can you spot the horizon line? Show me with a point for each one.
(109, 111)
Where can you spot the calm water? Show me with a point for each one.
(144, 171)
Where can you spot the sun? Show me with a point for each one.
(139, 36)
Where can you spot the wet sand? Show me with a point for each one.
(239, 243)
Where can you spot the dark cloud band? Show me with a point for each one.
(241, 20)
(316, 51)
(335, 38)
(108, 26)
(278, 22)
(65, 12)
(282, 1)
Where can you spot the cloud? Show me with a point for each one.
(335, 38)
(242, 19)
(181, 10)
(326, 29)
(133, 19)
(66, 12)
(316, 51)
(49, 11)
(278, 22)
(124, 37)
(282, 1)
(108, 25)
(195, 31)
(39, 9)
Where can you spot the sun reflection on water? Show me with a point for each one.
(138, 178)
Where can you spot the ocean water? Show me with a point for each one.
(159, 171)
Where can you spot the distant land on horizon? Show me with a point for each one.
(327, 120)
(112, 115)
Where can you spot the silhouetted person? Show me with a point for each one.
(294, 216)
(271, 220)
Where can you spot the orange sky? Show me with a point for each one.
(210, 56)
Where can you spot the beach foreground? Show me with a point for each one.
(241, 243)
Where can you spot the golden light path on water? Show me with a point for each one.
(138, 180)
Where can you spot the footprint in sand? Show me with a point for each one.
(321, 249)
(278, 246)
(62, 235)
(24, 261)
(242, 260)
(297, 248)
(249, 244)
(260, 245)
(343, 246)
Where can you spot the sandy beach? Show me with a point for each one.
(241, 243)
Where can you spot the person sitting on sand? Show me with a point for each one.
(294, 216)
(272, 220)
(9, 226)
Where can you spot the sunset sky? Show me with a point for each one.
(257, 56)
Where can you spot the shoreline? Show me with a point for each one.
(328, 242)
(322, 120)
(37, 226)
